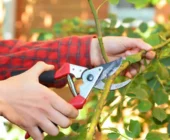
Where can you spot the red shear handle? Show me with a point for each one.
(78, 102)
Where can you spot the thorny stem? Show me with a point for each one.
(110, 80)
(108, 84)
(99, 32)
(102, 100)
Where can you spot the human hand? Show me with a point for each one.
(30, 105)
(116, 47)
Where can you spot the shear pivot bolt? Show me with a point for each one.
(90, 77)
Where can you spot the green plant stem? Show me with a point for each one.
(98, 8)
(102, 101)
(108, 84)
(99, 32)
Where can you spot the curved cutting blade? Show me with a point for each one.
(109, 69)
(101, 85)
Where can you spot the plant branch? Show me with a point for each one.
(98, 8)
(101, 103)
(108, 84)
(99, 32)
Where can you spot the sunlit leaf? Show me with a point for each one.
(159, 114)
(153, 39)
(156, 136)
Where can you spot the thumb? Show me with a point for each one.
(39, 68)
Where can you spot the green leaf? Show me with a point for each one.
(162, 71)
(120, 29)
(113, 136)
(160, 96)
(153, 40)
(128, 20)
(134, 129)
(75, 126)
(113, 19)
(114, 2)
(58, 137)
(133, 58)
(165, 52)
(156, 136)
(143, 27)
(154, 2)
(140, 93)
(159, 114)
(144, 105)
(139, 3)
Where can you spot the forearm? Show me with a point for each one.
(74, 50)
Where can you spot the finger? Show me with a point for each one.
(139, 43)
(59, 118)
(133, 71)
(63, 107)
(40, 67)
(35, 133)
(150, 55)
(132, 51)
(48, 127)
(128, 74)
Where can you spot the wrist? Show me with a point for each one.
(2, 101)
(95, 53)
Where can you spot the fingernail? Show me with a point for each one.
(27, 136)
(128, 53)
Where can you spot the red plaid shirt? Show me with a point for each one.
(16, 55)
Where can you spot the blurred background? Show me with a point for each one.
(19, 17)
(27, 19)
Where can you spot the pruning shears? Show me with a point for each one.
(92, 78)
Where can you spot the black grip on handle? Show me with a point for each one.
(46, 77)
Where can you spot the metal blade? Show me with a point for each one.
(109, 69)
(89, 78)
(101, 85)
